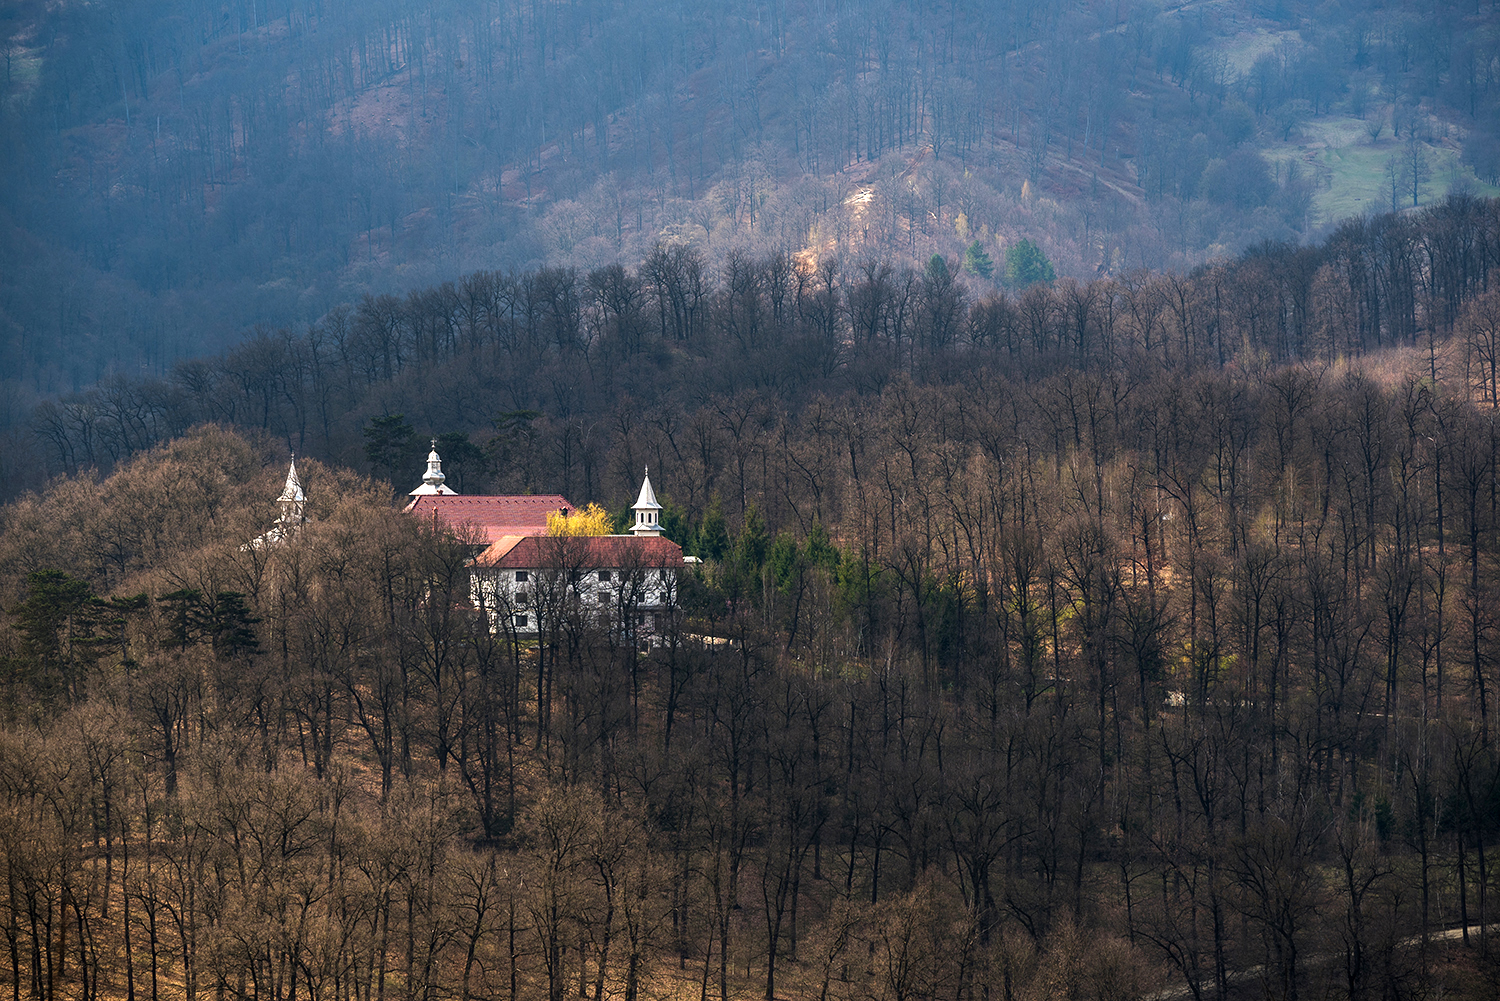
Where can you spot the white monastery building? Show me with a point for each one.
(526, 580)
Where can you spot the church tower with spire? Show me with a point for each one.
(433, 481)
(647, 511)
(292, 501)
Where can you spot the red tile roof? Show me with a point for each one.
(585, 553)
(493, 517)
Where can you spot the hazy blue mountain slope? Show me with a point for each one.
(179, 171)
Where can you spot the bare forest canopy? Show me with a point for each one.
(1132, 639)
(560, 380)
(177, 171)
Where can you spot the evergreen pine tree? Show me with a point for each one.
(977, 261)
(387, 440)
(713, 536)
(1025, 264)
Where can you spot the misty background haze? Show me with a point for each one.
(180, 171)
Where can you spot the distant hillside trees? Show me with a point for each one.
(547, 379)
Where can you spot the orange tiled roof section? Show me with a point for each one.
(606, 552)
(493, 517)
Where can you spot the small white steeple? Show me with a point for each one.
(292, 500)
(647, 511)
(432, 480)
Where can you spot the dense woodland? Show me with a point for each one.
(1090, 642)
(179, 170)
(1129, 634)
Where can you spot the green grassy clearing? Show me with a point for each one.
(1351, 170)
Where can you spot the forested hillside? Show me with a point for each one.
(1096, 642)
(1098, 500)
(177, 171)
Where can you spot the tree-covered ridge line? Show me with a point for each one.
(534, 378)
(179, 170)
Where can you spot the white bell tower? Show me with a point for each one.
(647, 511)
(433, 479)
